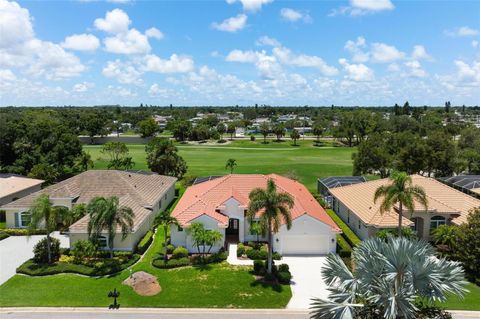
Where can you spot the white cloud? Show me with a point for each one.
(154, 33)
(475, 43)
(175, 64)
(267, 41)
(294, 15)
(123, 72)
(356, 48)
(156, 90)
(251, 5)
(363, 7)
(7, 75)
(419, 53)
(232, 24)
(356, 72)
(285, 56)
(81, 42)
(115, 21)
(415, 69)
(462, 32)
(82, 87)
(384, 53)
(467, 72)
(243, 56)
(119, 1)
(15, 24)
(130, 42)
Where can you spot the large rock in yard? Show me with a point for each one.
(143, 283)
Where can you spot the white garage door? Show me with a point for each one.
(305, 245)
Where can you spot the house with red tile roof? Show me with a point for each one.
(221, 204)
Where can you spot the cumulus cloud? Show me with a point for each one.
(154, 33)
(123, 72)
(419, 52)
(7, 75)
(295, 15)
(462, 32)
(415, 69)
(384, 53)
(81, 42)
(362, 7)
(232, 24)
(356, 49)
(115, 21)
(82, 87)
(251, 5)
(267, 41)
(174, 64)
(20, 48)
(356, 72)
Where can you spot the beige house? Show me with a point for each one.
(13, 187)
(144, 192)
(446, 205)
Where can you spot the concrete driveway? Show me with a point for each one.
(307, 281)
(15, 250)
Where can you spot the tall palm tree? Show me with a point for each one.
(402, 192)
(43, 214)
(165, 219)
(273, 207)
(106, 214)
(389, 278)
(231, 164)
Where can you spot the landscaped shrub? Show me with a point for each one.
(284, 277)
(3, 235)
(40, 251)
(348, 234)
(283, 268)
(83, 249)
(259, 267)
(180, 252)
(343, 248)
(66, 259)
(171, 263)
(252, 138)
(145, 242)
(240, 250)
(407, 232)
(23, 232)
(255, 254)
(170, 248)
(276, 256)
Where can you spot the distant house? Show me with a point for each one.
(469, 184)
(446, 205)
(143, 192)
(221, 203)
(325, 184)
(13, 187)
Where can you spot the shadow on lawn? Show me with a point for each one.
(260, 282)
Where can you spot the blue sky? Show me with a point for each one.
(354, 52)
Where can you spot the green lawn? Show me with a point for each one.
(219, 285)
(470, 302)
(305, 161)
(3, 225)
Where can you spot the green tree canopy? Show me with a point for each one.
(163, 158)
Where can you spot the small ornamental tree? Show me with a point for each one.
(264, 130)
(467, 246)
(231, 164)
(203, 239)
(148, 127)
(294, 135)
(163, 158)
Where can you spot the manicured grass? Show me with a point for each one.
(470, 302)
(216, 285)
(305, 161)
(3, 225)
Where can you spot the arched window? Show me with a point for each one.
(436, 221)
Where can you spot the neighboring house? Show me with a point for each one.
(221, 204)
(13, 187)
(469, 184)
(325, 184)
(354, 204)
(143, 192)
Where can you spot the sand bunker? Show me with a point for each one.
(143, 283)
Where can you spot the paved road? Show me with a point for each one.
(102, 313)
(15, 250)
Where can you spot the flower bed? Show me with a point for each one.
(255, 251)
(180, 258)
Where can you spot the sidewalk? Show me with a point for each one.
(232, 257)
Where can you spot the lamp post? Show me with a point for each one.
(114, 294)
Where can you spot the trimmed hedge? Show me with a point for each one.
(284, 277)
(100, 268)
(145, 242)
(23, 231)
(343, 248)
(3, 235)
(186, 261)
(180, 252)
(240, 250)
(348, 234)
(171, 263)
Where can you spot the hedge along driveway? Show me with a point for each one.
(215, 286)
(15, 250)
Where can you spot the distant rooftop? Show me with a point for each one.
(12, 183)
(339, 181)
(465, 183)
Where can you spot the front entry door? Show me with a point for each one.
(233, 230)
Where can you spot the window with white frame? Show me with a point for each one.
(24, 219)
(436, 221)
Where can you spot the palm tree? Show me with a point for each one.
(231, 164)
(84, 161)
(42, 213)
(106, 214)
(165, 219)
(445, 235)
(401, 192)
(294, 135)
(273, 207)
(389, 278)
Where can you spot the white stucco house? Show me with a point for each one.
(221, 204)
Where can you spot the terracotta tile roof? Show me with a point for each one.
(207, 197)
(11, 184)
(137, 190)
(442, 199)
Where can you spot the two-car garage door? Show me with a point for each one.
(305, 244)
